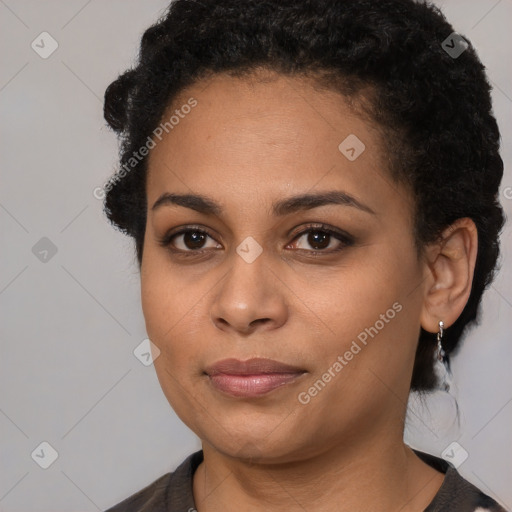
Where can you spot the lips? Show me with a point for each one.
(251, 378)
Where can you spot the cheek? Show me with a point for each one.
(163, 303)
(163, 298)
(169, 312)
(174, 310)
(375, 302)
(369, 347)
(363, 288)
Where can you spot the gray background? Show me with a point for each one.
(70, 323)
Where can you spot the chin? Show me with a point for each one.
(263, 443)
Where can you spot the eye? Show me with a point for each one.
(322, 239)
(189, 240)
(315, 239)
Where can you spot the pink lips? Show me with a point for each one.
(251, 378)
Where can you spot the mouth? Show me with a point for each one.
(251, 378)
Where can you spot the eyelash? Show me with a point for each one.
(345, 239)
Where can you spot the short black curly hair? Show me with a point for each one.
(433, 103)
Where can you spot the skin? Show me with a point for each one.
(249, 143)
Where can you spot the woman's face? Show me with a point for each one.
(299, 250)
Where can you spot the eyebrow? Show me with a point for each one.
(283, 207)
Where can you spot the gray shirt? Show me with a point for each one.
(172, 492)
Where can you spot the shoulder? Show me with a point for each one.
(171, 492)
(456, 494)
(151, 497)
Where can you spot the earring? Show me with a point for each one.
(441, 354)
(436, 412)
(441, 366)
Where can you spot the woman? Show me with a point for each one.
(312, 190)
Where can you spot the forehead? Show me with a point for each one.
(266, 135)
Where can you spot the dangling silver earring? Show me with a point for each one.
(436, 412)
(441, 354)
(442, 368)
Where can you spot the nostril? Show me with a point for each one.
(259, 320)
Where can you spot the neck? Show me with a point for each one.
(359, 477)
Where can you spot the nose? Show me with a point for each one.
(250, 298)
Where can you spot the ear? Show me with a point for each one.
(449, 268)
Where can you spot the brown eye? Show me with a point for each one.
(318, 239)
(194, 239)
(322, 239)
(189, 240)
